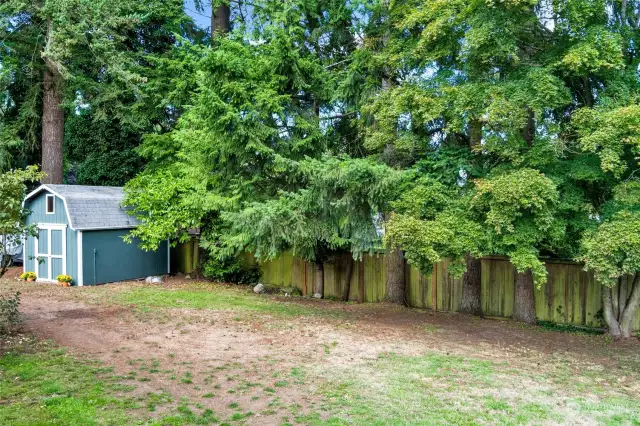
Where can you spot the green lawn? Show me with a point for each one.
(213, 297)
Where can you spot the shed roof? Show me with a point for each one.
(92, 207)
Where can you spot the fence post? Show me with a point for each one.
(361, 281)
(434, 286)
(304, 277)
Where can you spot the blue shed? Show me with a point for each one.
(80, 230)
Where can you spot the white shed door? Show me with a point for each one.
(51, 252)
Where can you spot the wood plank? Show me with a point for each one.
(304, 279)
(361, 281)
(434, 287)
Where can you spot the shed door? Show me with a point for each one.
(51, 252)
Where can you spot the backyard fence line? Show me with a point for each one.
(569, 296)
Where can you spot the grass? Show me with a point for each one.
(213, 297)
(42, 384)
(417, 390)
(568, 328)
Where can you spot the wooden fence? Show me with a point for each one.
(570, 295)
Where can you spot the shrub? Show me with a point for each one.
(230, 270)
(9, 313)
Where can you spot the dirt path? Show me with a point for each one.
(222, 360)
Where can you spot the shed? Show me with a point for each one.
(80, 233)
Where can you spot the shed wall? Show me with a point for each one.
(116, 260)
(38, 215)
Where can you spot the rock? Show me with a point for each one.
(187, 277)
(154, 280)
(259, 289)
(317, 295)
(290, 291)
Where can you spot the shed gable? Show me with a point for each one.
(38, 207)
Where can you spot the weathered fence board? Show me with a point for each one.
(570, 295)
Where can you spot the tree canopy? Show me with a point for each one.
(441, 129)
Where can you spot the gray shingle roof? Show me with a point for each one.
(94, 207)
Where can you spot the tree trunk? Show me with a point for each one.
(525, 308)
(620, 310)
(615, 299)
(52, 127)
(347, 278)
(470, 303)
(631, 307)
(220, 20)
(529, 129)
(622, 297)
(475, 133)
(318, 281)
(394, 277)
(607, 312)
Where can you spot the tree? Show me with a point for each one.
(519, 207)
(610, 249)
(269, 102)
(503, 84)
(612, 252)
(74, 54)
(335, 210)
(100, 152)
(13, 228)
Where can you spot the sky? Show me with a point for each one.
(203, 19)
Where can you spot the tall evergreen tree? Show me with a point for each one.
(58, 56)
(272, 100)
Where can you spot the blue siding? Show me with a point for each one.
(38, 215)
(56, 242)
(72, 254)
(56, 267)
(43, 268)
(38, 206)
(116, 260)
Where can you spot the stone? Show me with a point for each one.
(290, 291)
(259, 289)
(154, 280)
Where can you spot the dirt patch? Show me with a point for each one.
(12, 273)
(248, 362)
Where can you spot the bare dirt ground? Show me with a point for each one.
(227, 359)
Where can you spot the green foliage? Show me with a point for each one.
(568, 328)
(452, 128)
(102, 54)
(519, 207)
(431, 222)
(230, 270)
(612, 250)
(336, 210)
(613, 134)
(101, 152)
(10, 318)
(13, 228)
(261, 158)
